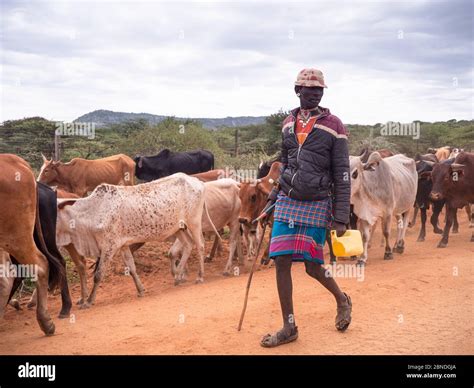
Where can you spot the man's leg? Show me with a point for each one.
(285, 293)
(344, 305)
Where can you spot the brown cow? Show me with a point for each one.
(18, 216)
(253, 196)
(80, 176)
(453, 181)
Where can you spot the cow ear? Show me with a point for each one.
(370, 166)
(62, 203)
(165, 152)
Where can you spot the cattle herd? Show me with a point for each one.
(96, 209)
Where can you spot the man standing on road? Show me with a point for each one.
(314, 194)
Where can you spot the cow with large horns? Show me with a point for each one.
(380, 188)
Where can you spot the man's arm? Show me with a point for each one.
(341, 176)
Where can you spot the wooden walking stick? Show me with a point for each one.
(267, 212)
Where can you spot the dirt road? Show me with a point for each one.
(419, 303)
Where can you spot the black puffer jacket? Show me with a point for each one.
(320, 167)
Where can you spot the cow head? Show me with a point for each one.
(358, 168)
(253, 200)
(138, 161)
(444, 177)
(49, 171)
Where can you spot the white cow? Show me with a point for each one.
(381, 188)
(223, 203)
(114, 217)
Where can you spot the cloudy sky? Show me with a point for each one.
(387, 60)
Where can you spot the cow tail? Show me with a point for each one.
(57, 269)
(212, 224)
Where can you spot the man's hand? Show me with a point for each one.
(340, 228)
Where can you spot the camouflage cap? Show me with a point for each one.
(310, 78)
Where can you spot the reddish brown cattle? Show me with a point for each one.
(18, 216)
(453, 181)
(80, 176)
(253, 196)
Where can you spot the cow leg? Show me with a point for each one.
(422, 234)
(412, 223)
(195, 229)
(386, 222)
(365, 230)
(450, 213)
(402, 224)
(187, 243)
(437, 207)
(45, 322)
(233, 242)
(215, 245)
(455, 223)
(129, 262)
(240, 253)
(101, 265)
(6, 283)
(175, 252)
(80, 263)
(66, 303)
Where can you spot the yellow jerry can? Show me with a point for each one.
(349, 244)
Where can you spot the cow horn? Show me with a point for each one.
(44, 157)
(456, 166)
(140, 163)
(364, 155)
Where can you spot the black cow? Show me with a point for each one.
(453, 181)
(47, 205)
(424, 166)
(166, 162)
(423, 200)
(264, 167)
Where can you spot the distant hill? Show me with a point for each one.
(105, 117)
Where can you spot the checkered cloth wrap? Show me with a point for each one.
(303, 243)
(303, 213)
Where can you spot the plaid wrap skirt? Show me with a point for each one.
(299, 228)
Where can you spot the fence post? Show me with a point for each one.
(236, 142)
(57, 139)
